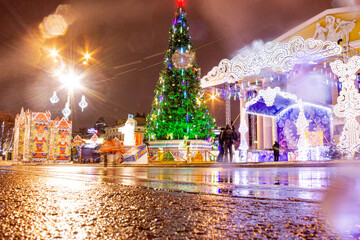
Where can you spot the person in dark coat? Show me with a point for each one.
(236, 138)
(228, 142)
(276, 148)
(220, 157)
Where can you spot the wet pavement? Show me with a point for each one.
(72, 202)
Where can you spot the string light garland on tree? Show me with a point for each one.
(179, 110)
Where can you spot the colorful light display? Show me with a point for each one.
(179, 110)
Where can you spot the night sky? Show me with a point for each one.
(129, 38)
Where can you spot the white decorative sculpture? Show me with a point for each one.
(66, 111)
(302, 125)
(54, 99)
(348, 104)
(129, 131)
(278, 56)
(320, 32)
(83, 104)
(269, 95)
(334, 30)
(243, 128)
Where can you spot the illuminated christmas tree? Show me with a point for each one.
(179, 110)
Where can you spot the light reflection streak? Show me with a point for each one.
(303, 183)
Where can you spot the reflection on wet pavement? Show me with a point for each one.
(307, 184)
(89, 203)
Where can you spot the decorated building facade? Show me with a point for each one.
(295, 90)
(37, 138)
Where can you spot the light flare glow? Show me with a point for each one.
(70, 79)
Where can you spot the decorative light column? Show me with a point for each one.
(243, 129)
(227, 106)
(259, 132)
(348, 104)
(302, 125)
(267, 132)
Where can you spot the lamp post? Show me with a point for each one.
(69, 79)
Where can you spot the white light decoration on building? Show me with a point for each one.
(129, 131)
(348, 104)
(243, 128)
(335, 29)
(269, 95)
(66, 111)
(302, 125)
(275, 55)
(83, 104)
(54, 99)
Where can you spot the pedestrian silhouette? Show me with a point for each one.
(228, 142)
(220, 157)
(276, 151)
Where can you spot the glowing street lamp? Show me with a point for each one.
(86, 58)
(69, 79)
(54, 53)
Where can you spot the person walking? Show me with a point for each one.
(220, 157)
(228, 142)
(276, 151)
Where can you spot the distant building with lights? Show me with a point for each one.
(37, 138)
(113, 131)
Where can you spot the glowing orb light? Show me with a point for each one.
(70, 79)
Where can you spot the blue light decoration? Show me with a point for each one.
(187, 117)
(286, 130)
(185, 94)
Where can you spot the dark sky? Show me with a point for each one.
(129, 37)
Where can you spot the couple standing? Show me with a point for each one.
(226, 139)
